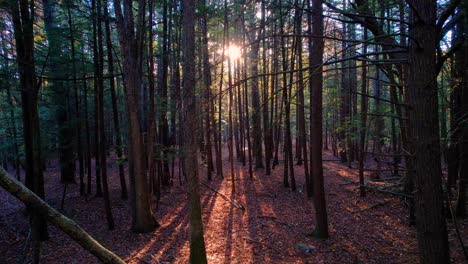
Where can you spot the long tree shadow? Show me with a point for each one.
(166, 243)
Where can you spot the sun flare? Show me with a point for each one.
(234, 52)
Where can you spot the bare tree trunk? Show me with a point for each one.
(102, 131)
(23, 18)
(316, 83)
(197, 243)
(300, 103)
(60, 94)
(162, 82)
(132, 50)
(267, 138)
(153, 179)
(67, 225)
(96, 102)
(363, 127)
(424, 131)
(463, 178)
(115, 111)
(231, 102)
(207, 83)
(79, 147)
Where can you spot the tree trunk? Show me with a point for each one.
(22, 14)
(131, 46)
(115, 110)
(316, 83)
(424, 131)
(197, 243)
(102, 132)
(79, 146)
(67, 225)
(65, 135)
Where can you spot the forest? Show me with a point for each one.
(234, 131)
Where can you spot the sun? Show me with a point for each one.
(234, 52)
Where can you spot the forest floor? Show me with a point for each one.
(275, 227)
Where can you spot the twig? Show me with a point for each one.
(232, 201)
(263, 243)
(371, 207)
(385, 191)
(273, 218)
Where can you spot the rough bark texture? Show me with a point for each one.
(424, 127)
(130, 43)
(197, 242)
(316, 83)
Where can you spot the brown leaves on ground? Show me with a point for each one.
(274, 228)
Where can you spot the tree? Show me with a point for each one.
(64, 223)
(59, 89)
(424, 131)
(23, 18)
(132, 52)
(197, 242)
(316, 83)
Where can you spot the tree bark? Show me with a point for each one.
(67, 225)
(23, 19)
(197, 243)
(132, 51)
(424, 131)
(316, 85)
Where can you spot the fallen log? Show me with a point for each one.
(67, 225)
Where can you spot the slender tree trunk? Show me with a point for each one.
(207, 83)
(197, 243)
(115, 110)
(231, 103)
(300, 102)
(162, 82)
(23, 18)
(267, 138)
(316, 84)
(102, 132)
(153, 178)
(65, 135)
(96, 102)
(362, 132)
(78, 120)
(463, 177)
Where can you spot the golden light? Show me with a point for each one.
(234, 52)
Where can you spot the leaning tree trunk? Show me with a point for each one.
(67, 225)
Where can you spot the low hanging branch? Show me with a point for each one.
(67, 225)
